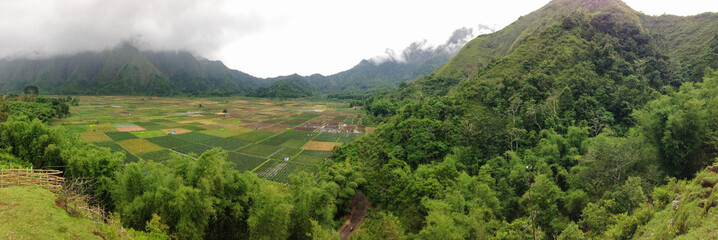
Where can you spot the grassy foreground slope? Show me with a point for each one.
(689, 209)
(31, 213)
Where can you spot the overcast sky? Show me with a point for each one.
(264, 38)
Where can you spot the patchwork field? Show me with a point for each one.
(269, 137)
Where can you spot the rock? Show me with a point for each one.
(676, 202)
(670, 221)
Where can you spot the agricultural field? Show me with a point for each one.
(269, 137)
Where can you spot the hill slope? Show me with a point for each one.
(31, 213)
(681, 38)
(570, 116)
(293, 86)
(125, 70)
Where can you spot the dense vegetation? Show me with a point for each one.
(187, 196)
(290, 87)
(125, 70)
(573, 133)
(582, 122)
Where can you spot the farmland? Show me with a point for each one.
(272, 138)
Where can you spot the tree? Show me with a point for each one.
(313, 202)
(546, 198)
(571, 232)
(683, 127)
(31, 90)
(269, 217)
(4, 110)
(612, 160)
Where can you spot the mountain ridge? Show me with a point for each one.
(127, 70)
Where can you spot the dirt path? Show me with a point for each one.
(359, 206)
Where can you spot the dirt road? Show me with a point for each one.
(359, 205)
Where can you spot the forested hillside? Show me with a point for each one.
(568, 123)
(293, 86)
(125, 70)
(582, 120)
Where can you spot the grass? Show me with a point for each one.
(260, 150)
(169, 141)
(195, 148)
(244, 162)
(309, 159)
(139, 145)
(192, 127)
(150, 125)
(293, 143)
(119, 136)
(328, 137)
(317, 153)
(227, 143)
(95, 137)
(31, 213)
(113, 146)
(305, 117)
(285, 152)
(197, 137)
(149, 134)
(157, 156)
(226, 132)
(253, 136)
(280, 171)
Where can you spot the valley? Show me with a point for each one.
(272, 138)
(584, 119)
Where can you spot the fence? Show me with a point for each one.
(49, 179)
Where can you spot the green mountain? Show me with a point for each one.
(560, 125)
(293, 86)
(125, 70)
(682, 39)
(415, 61)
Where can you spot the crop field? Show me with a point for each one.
(279, 171)
(269, 137)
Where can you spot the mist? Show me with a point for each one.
(38, 28)
(422, 50)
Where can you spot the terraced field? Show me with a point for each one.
(272, 138)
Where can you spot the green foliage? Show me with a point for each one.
(682, 125)
(313, 203)
(546, 198)
(270, 217)
(596, 217)
(31, 90)
(571, 232)
(610, 161)
(31, 213)
(44, 147)
(4, 109)
(379, 225)
(291, 87)
(32, 110)
(126, 70)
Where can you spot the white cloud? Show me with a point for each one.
(264, 38)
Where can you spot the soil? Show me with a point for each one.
(359, 206)
(8, 204)
(176, 130)
(321, 146)
(130, 129)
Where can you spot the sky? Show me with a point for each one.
(265, 38)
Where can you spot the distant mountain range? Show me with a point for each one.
(126, 70)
